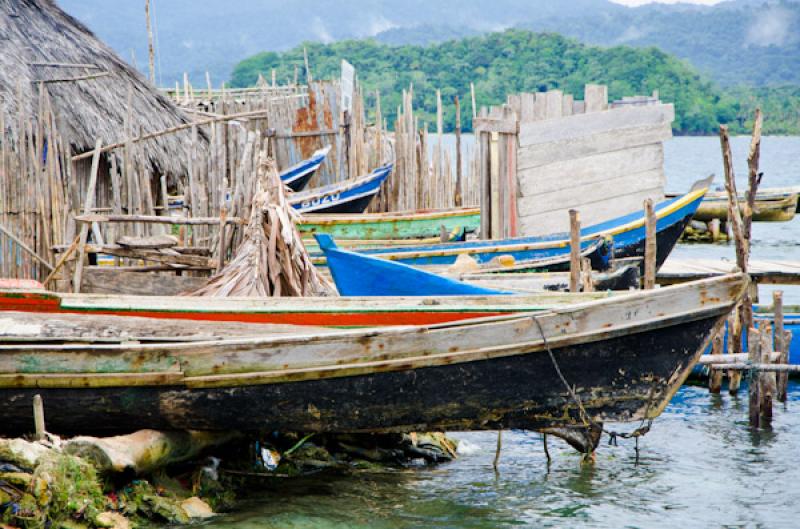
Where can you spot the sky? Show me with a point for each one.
(640, 2)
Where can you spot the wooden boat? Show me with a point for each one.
(348, 196)
(628, 233)
(357, 274)
(777, 204)
(298, 175)
(623, 357)
(327, 311)
(781, 208)
(363, 275)
(392, 226)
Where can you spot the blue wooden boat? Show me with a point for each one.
(348, 196)
(627, 232)
(362, 275)
(356, 274)
(298, 175)
(791, 322)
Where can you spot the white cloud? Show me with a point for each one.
(770, 27)
(379, 24)
(320, 31)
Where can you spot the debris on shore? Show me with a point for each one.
(81, 484)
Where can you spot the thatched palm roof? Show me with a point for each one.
(37, 39)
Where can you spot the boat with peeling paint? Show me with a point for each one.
(614, 359)
(347, 196)
(392, 226)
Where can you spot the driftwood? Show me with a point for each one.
(271, 261)
(145, 450)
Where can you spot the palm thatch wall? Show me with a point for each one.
(40, 42)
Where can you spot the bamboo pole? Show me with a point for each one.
(171, 130)
(574, 250)
(458, 200)
(87, 208)
(150, 49)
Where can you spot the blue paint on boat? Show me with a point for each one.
(298, 175)
(627, 231)
(362, 275)
(348, 196)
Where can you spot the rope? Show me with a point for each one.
(588, 422)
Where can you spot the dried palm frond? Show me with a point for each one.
(271, 261)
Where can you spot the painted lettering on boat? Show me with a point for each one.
(327, 199)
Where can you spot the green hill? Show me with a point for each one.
(516, 60)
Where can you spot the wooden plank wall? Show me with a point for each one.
(602, 159)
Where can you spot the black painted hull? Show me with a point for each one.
(665, 241)
(300, 183)
(357, 205)
(618, 378)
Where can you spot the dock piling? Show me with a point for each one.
(650, 247)
(38, 417)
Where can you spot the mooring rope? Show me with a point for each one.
(588, 422)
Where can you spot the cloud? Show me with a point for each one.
(772, 27)
(631, 33)
(379, 24)
(320, 31)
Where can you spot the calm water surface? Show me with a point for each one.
(700, 466)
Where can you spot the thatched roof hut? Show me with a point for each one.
(40, 42)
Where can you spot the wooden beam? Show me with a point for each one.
(87, 208)
(504, 126)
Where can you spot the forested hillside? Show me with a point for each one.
(516, 60)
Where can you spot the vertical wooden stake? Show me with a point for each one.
(38, 417)
(781, 346)
(574, 250)
(150, 49)
(457, 199)
(766, 381)
(734, 344)
(586, 275)
(650, 248)
(308, 70)
(87, 209)
(754, 356)
(497, 450)
(715, 375)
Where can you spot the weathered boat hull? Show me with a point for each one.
(624, 356)
(628, 233)
(350, 196)
(521, 391)
(338, 312)
(297, 176)
(392, 226)
(765, 209)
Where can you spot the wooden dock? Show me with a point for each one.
(761, 271)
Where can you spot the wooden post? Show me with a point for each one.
(457, 199)
(781, 345)
(223, 215)
(87, 209)
(474, 108)
(150, 49)
(308, 70)
(650, 247)
(574, 250)
(38, 417)
(586, 275)
(754, 357)
(734, 345)
(766, 381)
(715, 375)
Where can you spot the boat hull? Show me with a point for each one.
(380, 226)
(519, 391)
(779, 209)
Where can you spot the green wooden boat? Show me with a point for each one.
(396, 225)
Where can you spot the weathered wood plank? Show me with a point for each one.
(112, 281)
(590, 169)
(539, 154)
